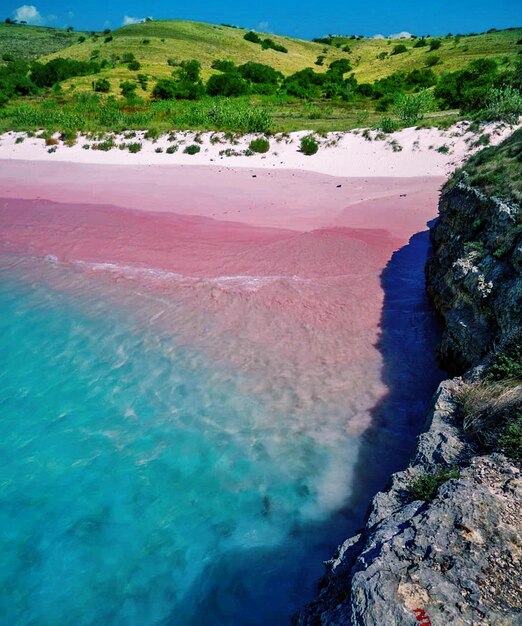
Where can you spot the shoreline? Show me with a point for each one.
(240, 220)
(410, 152)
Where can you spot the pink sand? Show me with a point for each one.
(281, 199)
(278, 273)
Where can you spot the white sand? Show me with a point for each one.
(405, 153)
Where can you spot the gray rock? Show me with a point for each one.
(457, 559)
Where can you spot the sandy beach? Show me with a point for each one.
(294, 290)
(357, 153)
(307, 237)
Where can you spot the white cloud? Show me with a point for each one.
(378, 36)
(127, 20)
(263, 27)
(28, 13)
(403, 35)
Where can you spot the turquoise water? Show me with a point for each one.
(146, 481)
(139, 485)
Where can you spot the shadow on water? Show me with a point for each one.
(410, 330)
(262, 586)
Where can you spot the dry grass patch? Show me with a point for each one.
(488, 408)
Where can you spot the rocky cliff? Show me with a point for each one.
(443, 545)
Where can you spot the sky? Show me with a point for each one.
(296, 18)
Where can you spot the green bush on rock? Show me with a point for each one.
(425, 487)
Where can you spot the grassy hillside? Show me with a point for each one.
(181, 40)
(30, 42)
(123, 68)
(455, 52)
(496, 171)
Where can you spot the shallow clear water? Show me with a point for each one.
(139, 485)
(143, 484)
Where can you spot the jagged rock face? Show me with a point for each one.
(456, 560)
(474, 278)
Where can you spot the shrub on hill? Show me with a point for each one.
(328, 41)
(399, 49)
(503, 105)
(304, 83)
(435, 44)
(270, 44)
(128, 89)
(338, 88)
(386, 90)
(339, 67)
(259, 73)
(266, 44)
(165, 89)
(467, 89)
(134, 65)
(411, 108)
(15, 82)
(56, 70)
(253, 37)
(102, 85)
(227, 85)
(186, 86)
(190, 71)
(223, 65)
(143, 81)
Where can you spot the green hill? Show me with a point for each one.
(124, 66)
(454, 53)
(153, 43)
(30, 42)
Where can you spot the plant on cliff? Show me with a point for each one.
(425, 487)
(488, 407)
(507, 362)
(496, 170)
(510, 440)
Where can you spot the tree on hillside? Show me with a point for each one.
(227, 85)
